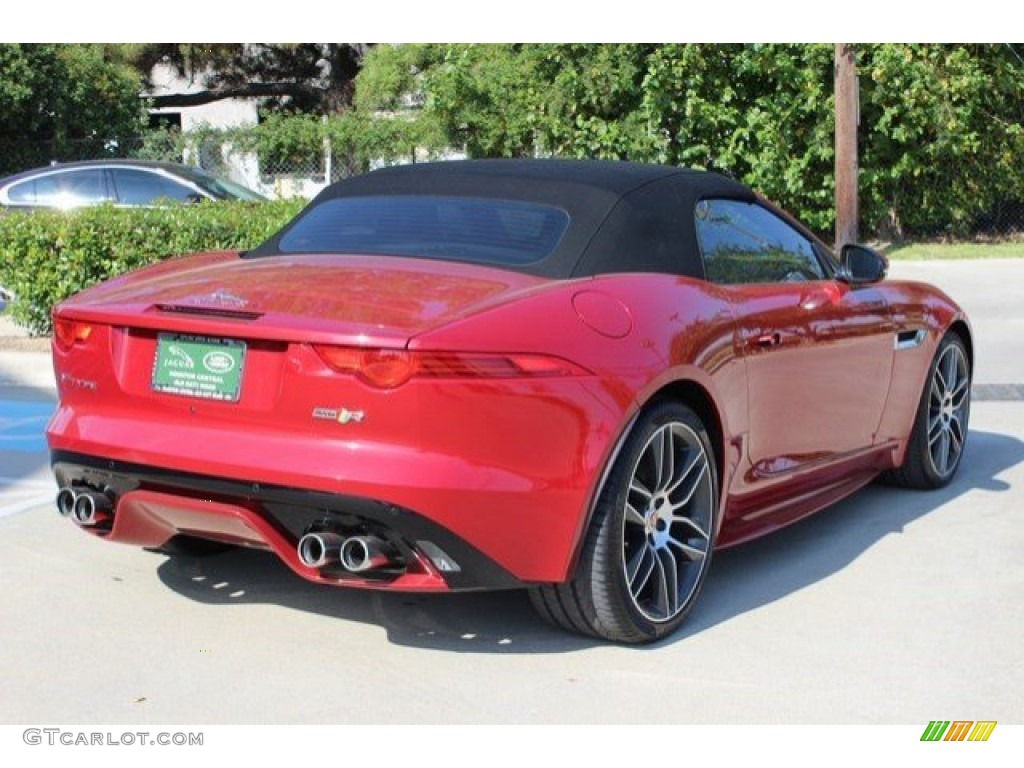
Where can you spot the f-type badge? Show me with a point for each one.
(340, 415)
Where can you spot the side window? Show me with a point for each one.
(23, 193)
(71, 189)
(745, 243)
(144, 188)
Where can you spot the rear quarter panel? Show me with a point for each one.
(677, 329)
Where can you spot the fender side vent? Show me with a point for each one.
(910, 339)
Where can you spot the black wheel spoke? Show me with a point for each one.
(635, 486)
(949, 372)
(664, 459)
(690, 553)
(633, 516)
(957, 436)
(668, 584)
(640, 568)
(941, 453)
(688, 496)
(691, 524)
(960, 393)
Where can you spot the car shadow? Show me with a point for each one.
(742, 578)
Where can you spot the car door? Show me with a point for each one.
(818, 353)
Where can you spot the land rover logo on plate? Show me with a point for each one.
(218, 362)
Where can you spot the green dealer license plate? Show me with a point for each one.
(197, 366)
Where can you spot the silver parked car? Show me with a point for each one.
(119, 182)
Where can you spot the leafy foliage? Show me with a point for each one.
(47, 256)
(940, 124)
(358, 142)
(63, 102)
(944, 133)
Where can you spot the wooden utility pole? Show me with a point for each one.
(847, 117)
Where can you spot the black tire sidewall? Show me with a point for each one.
(610, 521)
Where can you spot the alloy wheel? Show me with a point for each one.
(948, 402)
(666, 539)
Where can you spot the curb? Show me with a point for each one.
(30, 344)
(14, 338)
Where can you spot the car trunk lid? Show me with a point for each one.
(333, 299)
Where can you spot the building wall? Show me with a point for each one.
(242, 168)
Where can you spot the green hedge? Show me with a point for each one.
(46, 256)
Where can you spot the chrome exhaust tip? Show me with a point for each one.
(65, 502)
(91, 508)
(320, 549)
(364, 553)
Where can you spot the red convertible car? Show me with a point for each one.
(579, 378)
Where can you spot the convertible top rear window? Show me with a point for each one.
(478, 230)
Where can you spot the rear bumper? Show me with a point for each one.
(506, 468)
(153, 505)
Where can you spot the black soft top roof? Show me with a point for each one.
(624, 217)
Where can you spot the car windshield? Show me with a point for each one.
(221, 189)
(477, 230)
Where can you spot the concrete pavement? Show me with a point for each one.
(892, 607)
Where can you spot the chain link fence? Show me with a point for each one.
(288, 172)
(1006, 219)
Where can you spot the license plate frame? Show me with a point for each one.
(199, 367)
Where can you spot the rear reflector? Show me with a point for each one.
(390, 368)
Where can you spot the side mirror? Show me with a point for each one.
(860, 265)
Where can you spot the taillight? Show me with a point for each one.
(67, 333)
(390, 368)
(383, 368)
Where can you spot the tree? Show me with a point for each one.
(941, 125)
(64, 102)
(942, 135)
(305, 77)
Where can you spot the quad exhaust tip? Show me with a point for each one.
(356, 554)
(317, 550)
(86, 508)
(65, 502)
(364, 553)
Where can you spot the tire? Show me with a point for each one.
(939, 434)
(190, 546)
(648, 547)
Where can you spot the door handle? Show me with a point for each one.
(767, 340)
